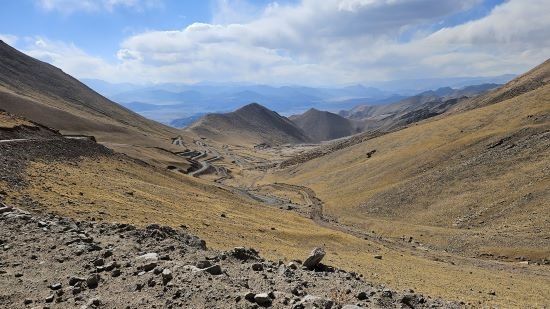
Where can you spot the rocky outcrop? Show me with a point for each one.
(50, 261)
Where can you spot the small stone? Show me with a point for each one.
(249, 296)
(149, 257)
(492, 293)
(257, 267)
(166, 276)
(157, 270)
(293, 265)
(55, 286)
(214, 270)
(27, 301)
(149, 266)
(50, 298)
(99, 262)
(76, 290)
(93, 281)
(116, 273)
(263, 299)
(75, 280)
(378, 257)
(203, 264)
(387, 293)
(362, 296)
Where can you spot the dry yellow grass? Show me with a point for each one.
(10, 121)
(427, 174)
(100, 189)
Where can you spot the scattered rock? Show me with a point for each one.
(378, 257)
(243, 270)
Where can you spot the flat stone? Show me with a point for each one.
(214, 270)
(55, 286)
(149, 257)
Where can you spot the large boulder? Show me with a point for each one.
(314, 258)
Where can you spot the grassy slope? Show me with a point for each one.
(44, 94)
(171, 199)
(443, 173)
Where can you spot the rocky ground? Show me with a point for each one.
(47, 261)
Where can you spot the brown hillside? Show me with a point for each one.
(251, 124)
(323, 126)
(44, 94)
(535, 78)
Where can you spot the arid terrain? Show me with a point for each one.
(443, 209)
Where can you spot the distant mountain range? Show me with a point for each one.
(256, 124)
(169, 102)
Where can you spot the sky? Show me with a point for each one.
(300, 42)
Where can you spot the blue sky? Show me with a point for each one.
(308, 42)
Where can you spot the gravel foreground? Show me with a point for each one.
(47, 261)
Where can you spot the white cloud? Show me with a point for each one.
(9, 39)
(332, 42)
(70, 6)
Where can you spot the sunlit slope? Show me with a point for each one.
(43, 93)
(249, 125)
(487, 167)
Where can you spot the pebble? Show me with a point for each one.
(257, 267)
(214, 270)
(263, 299)
(92, 281)
(166, 276)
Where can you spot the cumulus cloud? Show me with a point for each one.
(70, 6)
(340, 41)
